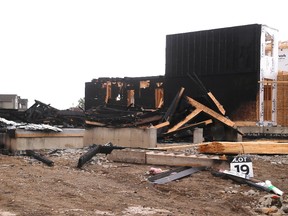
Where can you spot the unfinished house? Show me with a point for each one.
(146, 92)
(233, 63)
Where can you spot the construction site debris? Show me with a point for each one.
(39, 157)
(240, 180)
(154, 171)
(261, 185)
(11, 125)
(107, 149)
(177, 124)
(174, 174)
(271, 187)
(128, 181)
(88, 155)
(94, 149)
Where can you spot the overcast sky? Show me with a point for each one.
(49, 49)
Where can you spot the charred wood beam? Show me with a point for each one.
(172, 108)
(148, 120)
(88, 155)
(197, 81)
(175, 174)
(39, 157)
(106, 149)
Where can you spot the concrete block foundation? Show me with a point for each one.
(126, 137)
(35, 140)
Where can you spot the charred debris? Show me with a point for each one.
(137, 102)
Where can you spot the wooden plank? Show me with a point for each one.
(211, 112)
(163, 124)
(191, 126)
(187, 119)
(216, 102)
(94, 123)
(148, 120)
(177, 147)
(244, 148)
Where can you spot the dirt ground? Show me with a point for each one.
(102, 187)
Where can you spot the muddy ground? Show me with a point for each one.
(102, 187)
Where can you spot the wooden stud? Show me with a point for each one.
(187, 119)
(216, 102)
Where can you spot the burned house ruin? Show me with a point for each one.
(238, 65)
(146, 92)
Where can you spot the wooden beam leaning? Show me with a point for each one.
(173, 106)
(211, 112)
(216, 102)
(187, 118)
(244, 148)
(190, 126)
(163, 124)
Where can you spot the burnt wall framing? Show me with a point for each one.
(225, 61)
(127, 91)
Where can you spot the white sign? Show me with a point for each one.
(243, 165)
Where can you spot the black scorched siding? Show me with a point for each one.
(225, 61)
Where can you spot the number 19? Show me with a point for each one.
(242, 168)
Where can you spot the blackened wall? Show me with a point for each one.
(224, 61)
(95, 91)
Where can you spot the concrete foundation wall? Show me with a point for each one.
(127, 137)
(35, 140)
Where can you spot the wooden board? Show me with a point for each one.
(187, 119)
(211, 112)
(216, 102)
(94, 123)
(163, 124)
(190, 126)
(244, 148)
